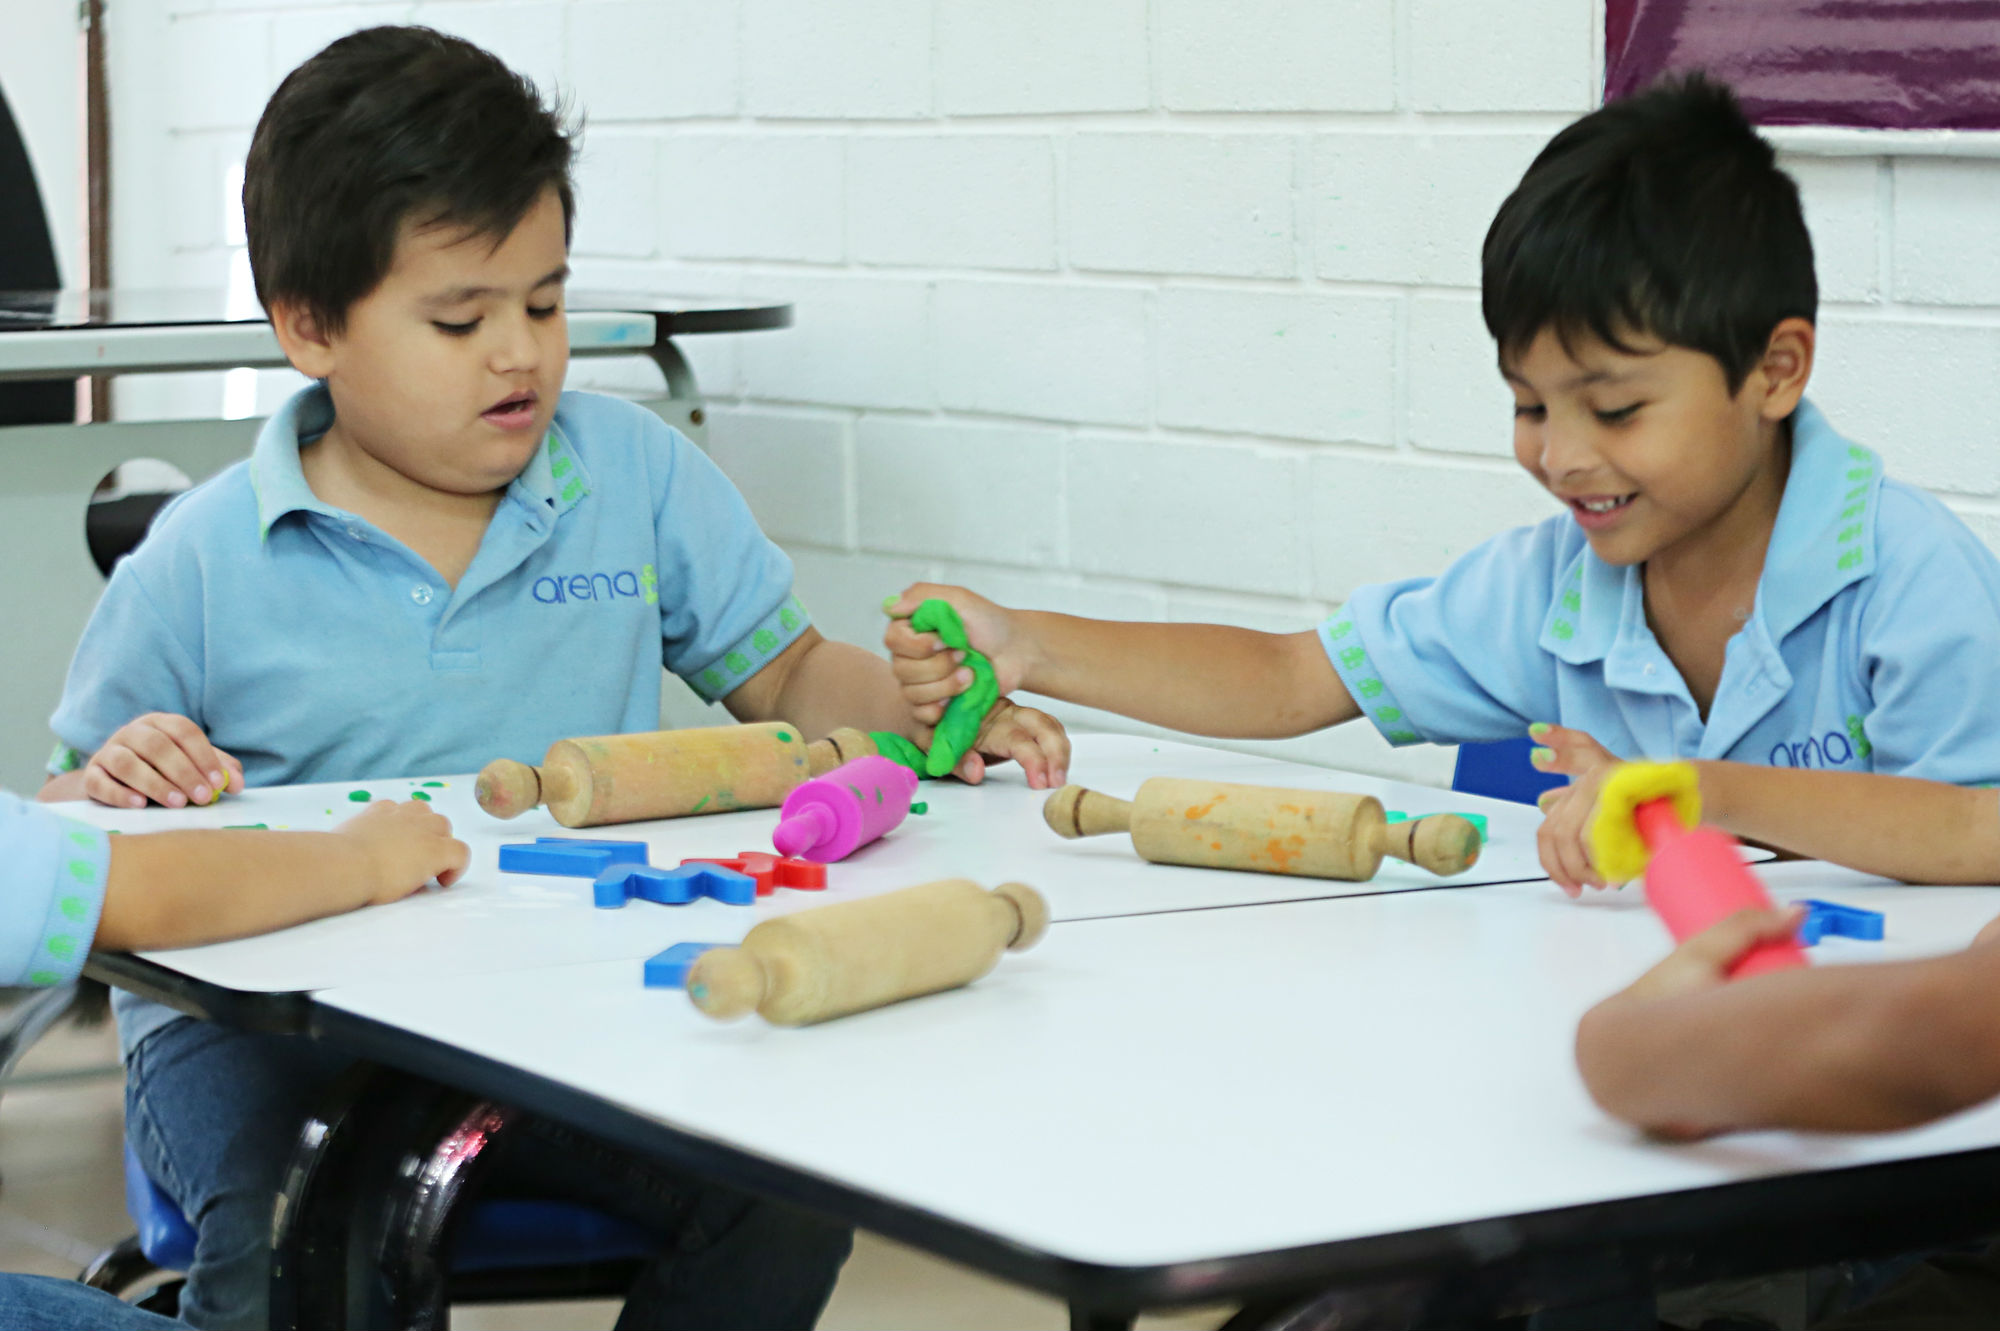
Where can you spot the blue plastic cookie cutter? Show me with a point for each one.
(569, 857)
(621, 883)
(669, 969)
(1825, 918)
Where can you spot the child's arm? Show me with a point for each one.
(1205, 679)
(1896, 826)
(1831, 1049)
(159, 757)
(179, 889)
(820, 685)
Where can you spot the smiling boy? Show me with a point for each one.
(1730, 579)
(367, 596)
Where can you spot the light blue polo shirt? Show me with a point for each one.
(52, 875)
(1873, 646)
(316, 647)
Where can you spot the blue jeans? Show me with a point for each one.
(43, 1303)
(213, 1114)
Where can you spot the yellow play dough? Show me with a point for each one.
(1615, 845)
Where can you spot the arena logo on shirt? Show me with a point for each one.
(621, 584)
(1833, 749)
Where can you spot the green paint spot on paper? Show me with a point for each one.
(420, 795)
(245, 827)
(358, 796)
(434, 785)
(920, 808)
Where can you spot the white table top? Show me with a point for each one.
(1188, 1087)
(494, 922)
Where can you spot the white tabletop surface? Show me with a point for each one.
(495, 922)
(1172, 1088)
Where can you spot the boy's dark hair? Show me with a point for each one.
(386, 126)
(1661, 215)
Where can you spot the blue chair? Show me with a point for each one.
(1500, 770)
(502, 1237)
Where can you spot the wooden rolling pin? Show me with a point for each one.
(835, 960)
(1268, 829)
(665, 773)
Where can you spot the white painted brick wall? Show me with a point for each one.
(953, 200)
(1035, 57)
(1159, 309)
(1276, 55)
(1182, 203)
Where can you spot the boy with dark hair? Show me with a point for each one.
(1731, 578)
(358, 599)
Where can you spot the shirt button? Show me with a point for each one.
(1649, 667)
(420, 594)
(355, 533)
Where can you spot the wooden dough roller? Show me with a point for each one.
(835, 960)
(1268, 829)
(665, 773)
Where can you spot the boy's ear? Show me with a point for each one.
(305, 344)
(1787, 364)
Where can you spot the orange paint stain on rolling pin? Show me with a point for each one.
(1218, 825)
(665, 773)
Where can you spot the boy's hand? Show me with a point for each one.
(1033, 739)
(163, 758)
(930, 672)
(1563, 839)
(1703, 961)
(406, 846)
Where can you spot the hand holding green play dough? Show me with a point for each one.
(958, 729)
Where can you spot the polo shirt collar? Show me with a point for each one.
(276, 477)
(1823, 540)
(554, 480)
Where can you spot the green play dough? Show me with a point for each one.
(963, 715)
(898, 749)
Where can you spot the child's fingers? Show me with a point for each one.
(99, 785)
(1565, 751)
(929, 713)
(905, 642)
(1722, 945)
(1547, 849)
(924, 670)
(971, 769)
(171, 752)
(944, 690)
(1042, 748)
(203, 756)
(135, 773)
(914, 595)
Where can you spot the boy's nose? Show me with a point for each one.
(517, 348)
(1564, 451)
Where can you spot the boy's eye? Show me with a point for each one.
(455, 330)
(1524, 412)
(1620, 416)
(541, 311)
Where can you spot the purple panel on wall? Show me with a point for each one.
(1876, 64)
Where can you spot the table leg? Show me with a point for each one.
(682, 407)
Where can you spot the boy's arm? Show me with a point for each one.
(1830, 1049)
(1205, 679)
(181, 889)
(1899, 827)
(820, 685)
(1896, 826)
